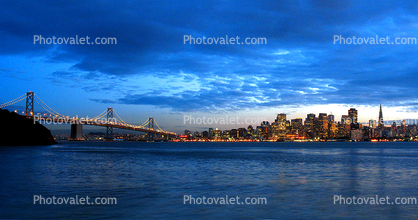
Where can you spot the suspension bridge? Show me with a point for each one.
(109, 119)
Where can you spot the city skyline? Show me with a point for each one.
(226, 126)
(321, 127)
(409, 121)
(225, 120)
(149, 71)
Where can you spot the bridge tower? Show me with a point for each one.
(76, 132)
(151, 127)
(151, 123)
(166, 137)
(109, 130)
(29, 104)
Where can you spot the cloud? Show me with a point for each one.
(300, 65)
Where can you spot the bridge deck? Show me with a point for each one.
(94, 123)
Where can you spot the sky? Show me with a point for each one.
(151, 72)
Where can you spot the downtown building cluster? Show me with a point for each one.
(323, 127)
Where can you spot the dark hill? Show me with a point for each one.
(17, 130)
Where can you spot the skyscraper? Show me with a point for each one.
(281, 117)
(310, 117)
(381, 124)
(309, 122)
(250, 130)
(331, 118)
(297, 127)
(345, 119)
(242, 132)
(265, 129)
(332, 127)
(372, 124)
(352, 112)
(323, 125)
(344, 130)
(217, 133)
(281, 125)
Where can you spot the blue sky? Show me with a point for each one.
(151, 72)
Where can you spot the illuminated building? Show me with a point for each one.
(265, 129)
(210, 132)
(242, 132)
(331, 118)
(217, 133)
(233, 133)
(381, 123)
(275, 129)
(281, 125)
(345, 119)
(310, 124)
(323, 125)
(352, 113)
(297, 127)
(281, 117)
(372, 124)
(225, 134)
(356, 135)
(250, 130)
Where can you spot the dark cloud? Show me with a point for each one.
(300, 64)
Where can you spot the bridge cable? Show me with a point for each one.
(50, 112)
(11, 103)
(102, 114)
(55, 112)
(119, 117)
(145, 123)
(16, 100)
(157, 125)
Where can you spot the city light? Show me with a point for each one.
(314, 128)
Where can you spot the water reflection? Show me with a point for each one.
(150, 180)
